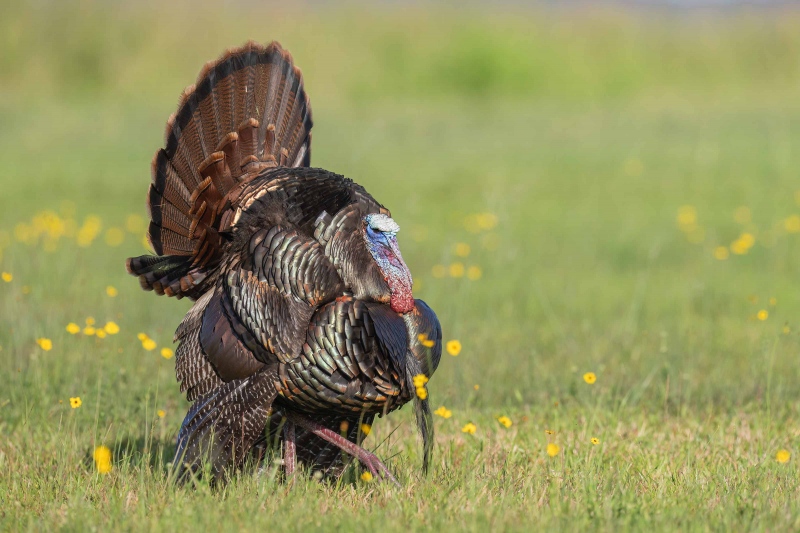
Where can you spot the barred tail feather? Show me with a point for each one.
(247, 111)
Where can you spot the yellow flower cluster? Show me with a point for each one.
(7, 277)
(111, 328)
(687, 223)
(102, 459)
(469, 428)
(48, 227)
(45, 344)
(589, 377)
(147, 343)
(477, 222)
(792, 224)
(419, 383)
(89, 231)
(425, 341)
(75, 402)
(366, 476)
(365, 429)
(505, 421)
(167, 353)
(743, 244)
(444, 412)
(457, 270)
(783, 456)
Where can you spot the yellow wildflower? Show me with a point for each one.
(365, 429)
(422, 392)
(7, 277)
(75, 402)
(487, 221)
(142, 337)
(114, 236)
(420, 380)
(687, 218)
(792, 224)
(444, 412)
(111, 291)
(89, 231)
(589, 377)
(505, 421)
(743, 244)
(134, 224)
(453, 347)
(474, 273)
(721, 253)
(553, 449)
(549, 432)
(462, 249)
(89, 321)
(762, 315)
(149, 344)
(595, 441)
(161, 413)
(166, 353)
(111, 328)
(476, 386)
(102, 459)
(89, 330)
(456, 270)
(773, 301)
(73, 328)
(470, 428)
(101, 333)
(366, 476)
(45, 344)
(783, 456)
(425, 341)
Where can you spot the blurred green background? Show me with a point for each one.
(624, 180)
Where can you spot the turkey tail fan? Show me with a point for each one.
(247, 111)
(222, 426)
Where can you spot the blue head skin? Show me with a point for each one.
(381, 236)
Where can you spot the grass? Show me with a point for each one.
(584, 134)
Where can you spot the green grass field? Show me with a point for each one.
(626, 188)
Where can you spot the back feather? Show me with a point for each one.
(248, 111)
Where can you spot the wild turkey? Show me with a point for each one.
(304, 316)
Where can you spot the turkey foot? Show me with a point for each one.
(368, 459)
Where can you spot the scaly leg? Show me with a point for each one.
(290, 448)
(369, 459)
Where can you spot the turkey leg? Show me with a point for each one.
(290, 448)
(368, 459)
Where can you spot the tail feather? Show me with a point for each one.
(247, 111)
